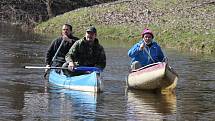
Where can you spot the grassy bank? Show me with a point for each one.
(183, 25)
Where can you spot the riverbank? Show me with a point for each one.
(185, 25)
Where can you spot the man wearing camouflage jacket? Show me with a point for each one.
(87, 52)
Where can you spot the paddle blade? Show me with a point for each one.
(87, 69)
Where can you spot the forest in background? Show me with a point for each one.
(27, 13)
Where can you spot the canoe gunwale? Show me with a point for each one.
(147, 66)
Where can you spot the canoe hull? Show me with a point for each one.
(87, 82)
(154, 76)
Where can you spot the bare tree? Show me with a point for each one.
(49, 4)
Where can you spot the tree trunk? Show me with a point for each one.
(49, 7)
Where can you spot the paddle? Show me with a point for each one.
(75, 69)
(148, 54)
(165, 59)
(54, 56)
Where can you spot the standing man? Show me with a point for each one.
(146, 51)
(87, 52)
(68, 40)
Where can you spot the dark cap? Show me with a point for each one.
(91, 29)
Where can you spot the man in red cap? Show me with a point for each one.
(146, 51)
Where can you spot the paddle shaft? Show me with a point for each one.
(57, 51)
(38, 67)
(149, 54)
(75, 69)
(55, 56)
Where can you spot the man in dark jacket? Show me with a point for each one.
(68, 40)
(87, 52)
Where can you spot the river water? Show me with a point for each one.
(26, 95)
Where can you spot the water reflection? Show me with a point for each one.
(150, 105)
(35, 106)
(59, 104)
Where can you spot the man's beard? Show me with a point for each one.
(90, 41)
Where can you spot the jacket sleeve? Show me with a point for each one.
(101, 62)
(160, 55)
(134, 50)
(72, 52)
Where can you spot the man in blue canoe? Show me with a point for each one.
(146, 51)
(59, 47)
(86, 52)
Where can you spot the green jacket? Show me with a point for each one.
(84, 54)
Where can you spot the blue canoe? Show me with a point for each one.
(88, 82)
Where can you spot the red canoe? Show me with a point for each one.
(154, 76)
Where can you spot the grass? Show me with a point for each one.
(180, 26)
